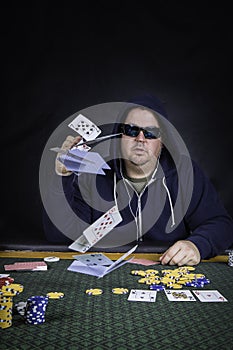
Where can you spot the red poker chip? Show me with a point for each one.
(5, 281)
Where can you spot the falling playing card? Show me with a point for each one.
(209, 296)
(103, 225)
(85, 127)
(95, 232)
(142, 295)
(179, 295)
(81, 244)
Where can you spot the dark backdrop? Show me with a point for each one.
(57, 60)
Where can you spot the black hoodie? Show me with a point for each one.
(179, 202)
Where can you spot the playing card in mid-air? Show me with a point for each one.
(81, 244)
(95, 232)
(85, 127)
(103, 225)
(83, 162)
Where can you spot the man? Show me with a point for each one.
(159, 192)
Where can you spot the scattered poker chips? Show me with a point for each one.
(94, 291)
(230, 258)
(55, 295)
(171, 278)
(35, 309)
(120, 291)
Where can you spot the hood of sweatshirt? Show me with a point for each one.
(174, 163)
(173, 146)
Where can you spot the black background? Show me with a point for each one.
(57, 60)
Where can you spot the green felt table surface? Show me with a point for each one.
(109, 321)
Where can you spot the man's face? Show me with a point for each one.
(140, 151)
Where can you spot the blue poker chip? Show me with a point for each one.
(157, 287)
(35, 309)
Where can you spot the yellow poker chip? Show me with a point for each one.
(190, 268)
(94, 291)
(8, 293)
(177, 286)
(134, 272)
(165, 272)
(120, 291)
(182, 282)
(55, 295)
(151, 272)
(142, 280)
(138, 273)
(13, 287)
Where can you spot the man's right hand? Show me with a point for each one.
(69, 142)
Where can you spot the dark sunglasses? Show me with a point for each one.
(133, 131)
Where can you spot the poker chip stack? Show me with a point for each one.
(6, 305)
(7, 292)
(35, 309)
(230, 258)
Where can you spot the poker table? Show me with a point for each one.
(110, 321)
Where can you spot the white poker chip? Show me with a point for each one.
(51, 259)
(21, 307)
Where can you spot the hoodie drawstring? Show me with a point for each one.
(138, 225)
(170, 202)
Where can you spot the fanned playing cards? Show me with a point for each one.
(78, 159)
(99, 270)
(83, 162)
